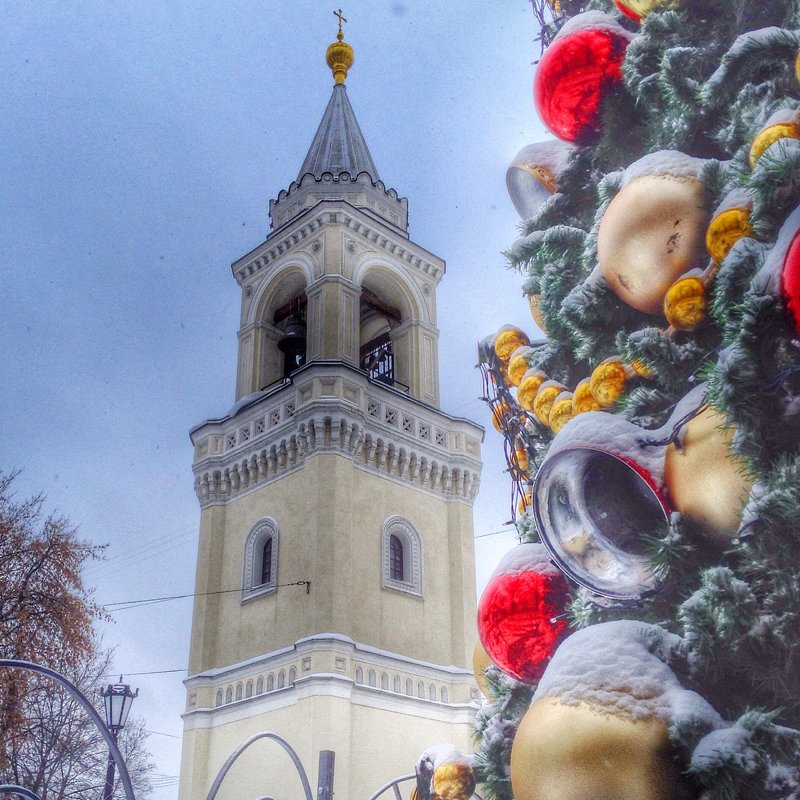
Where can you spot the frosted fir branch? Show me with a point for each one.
(752, 53)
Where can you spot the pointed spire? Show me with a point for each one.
(338, 145)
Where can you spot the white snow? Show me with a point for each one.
(593, 20)
(613, 667)
(444, 754)
(611, 433)
(783, 115)
(551, 155)
(737, 198)
(525, 558)
(664, 162)
(725, 746)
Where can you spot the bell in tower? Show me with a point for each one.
(293, 344)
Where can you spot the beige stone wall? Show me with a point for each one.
(330, 514)
(375, 739)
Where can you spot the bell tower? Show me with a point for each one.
(335, 590)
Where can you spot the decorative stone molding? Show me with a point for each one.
(412, 556)
(252, 586)
(381, 430)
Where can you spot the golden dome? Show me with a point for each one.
(339, 54)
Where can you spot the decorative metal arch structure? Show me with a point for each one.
(29, 666)
(212, 792)
(11, 788)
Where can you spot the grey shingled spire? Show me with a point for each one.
(338, 144)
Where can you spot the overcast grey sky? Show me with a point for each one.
(140, 143)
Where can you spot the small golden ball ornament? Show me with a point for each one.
(521, 456)
(507, 340)
(454, 781)
(501, 414)
(545, 397)
(525, 501)
(652, 232)
(518, 364)
(582, 398)
(480, 662)
(561, 412)
(583, 752)
(529, 387)
(608, 381)
(704, 478)
(686, 303)
(535, 305)
(784, 124)
(724, 230)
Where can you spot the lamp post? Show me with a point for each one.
(117, 699)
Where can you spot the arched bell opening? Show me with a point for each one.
(291, 320)
(377, 351)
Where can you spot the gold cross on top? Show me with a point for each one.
(342, 19)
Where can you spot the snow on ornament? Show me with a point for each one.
(598, 725)
(783, 124)
(521, 612)
(445, 773)
(653, 231)
(576, 72)
(532, 177)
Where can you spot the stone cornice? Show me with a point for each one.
(326, 213)
(331, 407)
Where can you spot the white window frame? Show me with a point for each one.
(253, 547)
(412, 556)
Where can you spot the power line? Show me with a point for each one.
(123, 605)
(494, 533)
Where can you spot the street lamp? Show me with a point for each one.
(117, 699)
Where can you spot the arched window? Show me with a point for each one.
(239, 691)
(396, 571)
(371, 678)
(409, 687)
(218, 701)
(260, 685)
(229, 695)
(384, 681)
(292, 675)
(401, 566)
(443, 694)
(260, 575)
(421, 690)
(397, 684)
(431, 692)
(270, 682)
(281, 679)
(359, 675)
(248, 690)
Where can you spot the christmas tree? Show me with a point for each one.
(653, 431)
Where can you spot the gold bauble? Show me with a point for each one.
(521, 466)
(583, 752)
(582, 398)
(507, 340)
(480, 662)
(529, 387)
(639, 9)
(561, 412)
(525, 501)
(686, 303)
(535, 305)
(545, 397)
(608, 381)
(500, 415)
(768, 136)
(704, 479)
(454, 781)
(725, 230)
(518, 364)
(651, 233)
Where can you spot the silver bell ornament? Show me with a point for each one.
(606, 484)
(532, 177)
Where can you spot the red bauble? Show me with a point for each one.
(790, 280)
(521, 612)
(576, 72)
